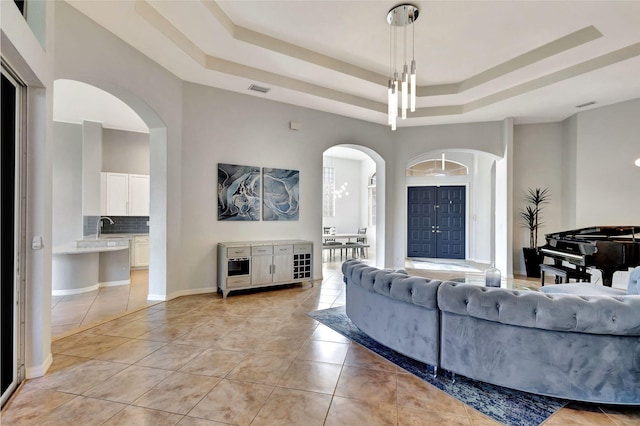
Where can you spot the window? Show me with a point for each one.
(372, 200)
(438, 167)
(328, 191)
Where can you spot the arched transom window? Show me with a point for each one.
(438, 167)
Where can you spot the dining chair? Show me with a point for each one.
(331, 244)
(359, 245)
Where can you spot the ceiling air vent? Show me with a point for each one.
(260, 89)
(585, 104)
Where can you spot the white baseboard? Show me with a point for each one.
(75, 290)
(115, 283)
(190, 292)
(40, 370)
(89, 288)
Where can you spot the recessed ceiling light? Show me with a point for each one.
(586, 104)
(637, 162)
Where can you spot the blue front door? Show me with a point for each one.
(436, 222)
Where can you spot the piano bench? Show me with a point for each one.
(564, 272)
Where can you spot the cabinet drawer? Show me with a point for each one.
(261, 250)
(235, 282)
(302, 248)
(238, 252)
(284, 249)
(141, 239)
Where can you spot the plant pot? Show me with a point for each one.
(532, 261)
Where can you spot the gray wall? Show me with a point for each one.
(91, 163)
(66, 182)
(125, 152)
(608, 142)
(538, 155)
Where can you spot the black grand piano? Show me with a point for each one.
(607, 248)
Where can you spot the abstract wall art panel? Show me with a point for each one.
(238, 192)
(280, 194)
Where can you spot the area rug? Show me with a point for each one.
(442, 266)
(507, 406)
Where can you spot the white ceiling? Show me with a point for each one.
(477, 60)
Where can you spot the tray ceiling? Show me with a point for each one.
(477, 61)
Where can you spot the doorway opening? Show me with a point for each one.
(101, 162)
(352, 203)
(12, 230)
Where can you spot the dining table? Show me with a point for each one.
(347, 237)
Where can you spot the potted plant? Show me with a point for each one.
(531, 217)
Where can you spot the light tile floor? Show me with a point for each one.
(70, 314)
(252, 359)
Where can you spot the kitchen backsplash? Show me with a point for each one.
(121, 225)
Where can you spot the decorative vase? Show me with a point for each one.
(492, 277)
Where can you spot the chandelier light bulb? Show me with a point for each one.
(390, 100)
(401, 93)
(412, 86)
(405, 91)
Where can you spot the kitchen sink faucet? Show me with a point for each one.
(99, 225)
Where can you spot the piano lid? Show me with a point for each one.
(596, 232)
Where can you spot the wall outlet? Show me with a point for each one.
(147, 223)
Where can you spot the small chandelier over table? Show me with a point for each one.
(402, 88)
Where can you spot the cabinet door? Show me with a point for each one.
(283, 265)
(117, 194)
(141, 251)
(261, 270)
(138, 195)
(103, 194)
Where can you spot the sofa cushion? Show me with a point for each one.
(634, 281)
(582, 289)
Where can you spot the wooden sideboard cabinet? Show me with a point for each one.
(252, 264)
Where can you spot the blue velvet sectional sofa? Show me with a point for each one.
(583, 348)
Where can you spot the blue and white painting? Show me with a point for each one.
(238, 192)
(280, 194)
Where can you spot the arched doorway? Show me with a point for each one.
(350, 201)
(122, 115)
(466, 181)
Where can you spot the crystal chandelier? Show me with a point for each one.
(402, 89)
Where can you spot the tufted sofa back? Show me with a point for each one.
(392, 283)
(613, 315)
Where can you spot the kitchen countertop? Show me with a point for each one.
(72, 248)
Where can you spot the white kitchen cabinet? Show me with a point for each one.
(140, 251)
(117, 200)
(139, 191)
(103, 194)
(124, 194)
(268, 263)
